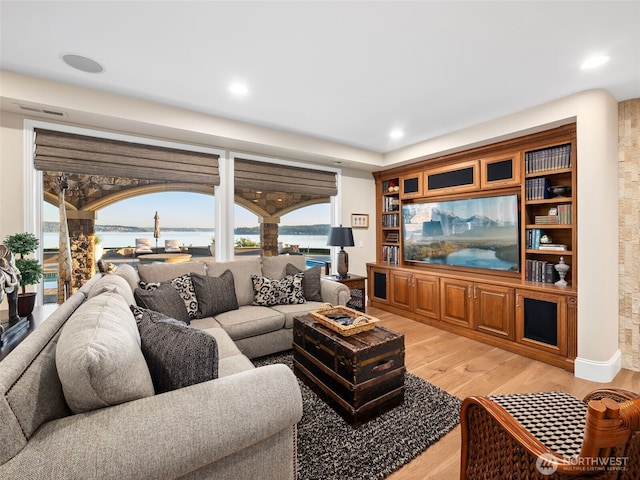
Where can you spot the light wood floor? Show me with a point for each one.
(464, 367)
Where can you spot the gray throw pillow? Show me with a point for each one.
(286, 291)
(164, 299)
(177, 355)
(310, 281)
(184, 287)
(215, 294)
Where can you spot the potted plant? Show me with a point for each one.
(23, 244)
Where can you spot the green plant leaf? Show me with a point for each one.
(30, 271)
(22, 243)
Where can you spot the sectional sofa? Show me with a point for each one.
(80, 399)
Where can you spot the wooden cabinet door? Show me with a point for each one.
(541, 320)
(456, 178)
(401, 289)
(427, 295)
(456, 302)
(411, 185)
(378, 284)
(494, 310)
(500, 171)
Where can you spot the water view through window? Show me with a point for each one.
(188, 219)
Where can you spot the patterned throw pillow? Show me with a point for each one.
(184, 286)
(164, 299)
(287, 291)
(215, 294)
(310, 282)
(177, 355)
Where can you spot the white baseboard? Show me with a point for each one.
(602, 372)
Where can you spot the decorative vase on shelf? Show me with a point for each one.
(562, 269)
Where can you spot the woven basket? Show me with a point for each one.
(361, 321)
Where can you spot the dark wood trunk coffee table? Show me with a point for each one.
(360, 376)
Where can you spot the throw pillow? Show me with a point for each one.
(164, 299)
(184, 287)
(269, 292)
(98, 356)
(310, 281)
(177, 355)
(215, 294)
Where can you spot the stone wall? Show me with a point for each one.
(629, 231)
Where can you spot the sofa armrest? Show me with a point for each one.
(335, 293)
(167, 435)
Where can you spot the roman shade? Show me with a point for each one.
(271, 177)
(72, 153)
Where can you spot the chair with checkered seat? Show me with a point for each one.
(551, 435)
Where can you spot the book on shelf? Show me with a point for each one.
(552, 246)
(537, 188)
(562, 217)
(553, 158)
(392, 237)
(533, 238)
(391, 255)
(390, 220)
(546, 220)
(390, 204)
(564, 214)
(540, 271)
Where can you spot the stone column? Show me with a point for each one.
(269, 236)
(81, 226)
(629, 231)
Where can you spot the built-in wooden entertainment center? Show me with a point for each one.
(521, 309)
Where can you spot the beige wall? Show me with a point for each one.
(358, 195)
(11, 175)
(629, 157)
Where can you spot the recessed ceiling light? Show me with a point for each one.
(594, 62)
(239, 88)
(396, 133)
(83, 64)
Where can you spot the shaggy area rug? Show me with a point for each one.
(329, 448)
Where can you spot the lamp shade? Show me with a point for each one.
(341, 237)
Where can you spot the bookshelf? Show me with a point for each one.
(390, 221)
(548, 215)
(523, 311)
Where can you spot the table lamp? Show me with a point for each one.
(341, 237)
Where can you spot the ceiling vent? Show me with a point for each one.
(40, 110)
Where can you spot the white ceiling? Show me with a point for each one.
(348, 72)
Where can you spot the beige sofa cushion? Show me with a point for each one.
(242, 271)
(98, 356)
(130, 274)
(250, 320)
(275, 267)
(113, 283)
(162, 272)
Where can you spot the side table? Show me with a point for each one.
(26, 325)
(356, 284)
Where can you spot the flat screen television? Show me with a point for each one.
(473, 232)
